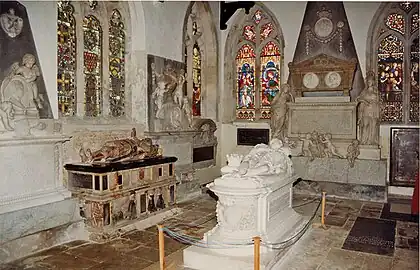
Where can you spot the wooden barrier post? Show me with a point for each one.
(161, 248)
(257, 241)
(323, 210)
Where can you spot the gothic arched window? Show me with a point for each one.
(100, 91)
(200, 43)
(258, 66)
(116, 63)
(66, 59)
(395, 51)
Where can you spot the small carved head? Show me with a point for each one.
(11, 11)
(276, 144)
(285, 88)
(28, 60)
(308, 135)
(234, 160)
(355, 142)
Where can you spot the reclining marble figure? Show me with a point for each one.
(131, 148)
(262, 162)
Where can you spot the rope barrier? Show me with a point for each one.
(195, 241)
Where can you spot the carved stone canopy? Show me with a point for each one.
(322, 73)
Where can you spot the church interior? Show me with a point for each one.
(209, 135)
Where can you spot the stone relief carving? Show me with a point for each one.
(315, 145)
(233, 160)
(332, 79)
(310, 80)
(206, 128)
(11, 24)
(353, 151)
(131, 148)
(19, 97)
(171, 108)
(368, 112)
(279, 111)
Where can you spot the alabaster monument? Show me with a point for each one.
(254, 200)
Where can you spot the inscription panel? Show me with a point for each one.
(252, 136)
(404, 162)
(337, 119)
(203, 154)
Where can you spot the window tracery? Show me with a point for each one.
(397, 60)
(95, 60)
(259, 47)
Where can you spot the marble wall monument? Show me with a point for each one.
(325, 30)
(169, 108)
(22, 82)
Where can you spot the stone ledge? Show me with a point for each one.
(364, 172)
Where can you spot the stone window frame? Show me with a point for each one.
(200, 13)
(102, 12)
(231, 48)
(376, 33)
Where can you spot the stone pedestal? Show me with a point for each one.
(33, 199)
(243, 213)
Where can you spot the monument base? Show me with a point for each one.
(242, 258)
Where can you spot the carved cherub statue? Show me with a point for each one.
(234, 160)
(158, 96)
(330, 150)
(30, 71)
(353, 151)
(306, 145)
(177, 95)
(186, 108)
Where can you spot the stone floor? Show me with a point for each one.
(317, 249)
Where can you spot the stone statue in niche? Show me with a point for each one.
(353, 151)
(279, 111)
(11, 24)
(368, 110)
(171, 110)
(131, 148)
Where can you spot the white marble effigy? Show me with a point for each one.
(254, 200)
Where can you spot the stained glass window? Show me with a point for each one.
(266, 30)
(92, 65)
(196, 104)
(258, 62)
(414, 81)
(245, 64)
(249, 33)
(270, 78)
(414, 22)
(66, 59)
(116, 64)
(390, 76)
(395, 22)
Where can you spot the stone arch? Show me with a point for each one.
(231, 47)
(200, 13)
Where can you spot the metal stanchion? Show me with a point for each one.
(161, 248)
(323, 201)
(257, 242)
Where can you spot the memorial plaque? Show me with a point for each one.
(404, 163)
(203, 154)
(252, 136)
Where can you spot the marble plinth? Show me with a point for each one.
(31, 172)
(244, 213)
(364, 172)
